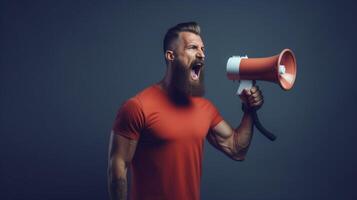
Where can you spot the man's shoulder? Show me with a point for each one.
(147, 97)
(140, 99)
(148, 93)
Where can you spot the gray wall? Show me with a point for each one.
(66, 66)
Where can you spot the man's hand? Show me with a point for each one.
(252, 98)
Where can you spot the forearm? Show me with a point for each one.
(117, 181)
(242, 136)
(235, 142)
(118, 188)
(121, 152)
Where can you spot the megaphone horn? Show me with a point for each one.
(280, 69)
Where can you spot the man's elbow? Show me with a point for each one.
(117, 169)
(238, 158)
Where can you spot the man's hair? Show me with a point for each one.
(173, 33)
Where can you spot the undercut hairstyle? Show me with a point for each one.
(173, 33)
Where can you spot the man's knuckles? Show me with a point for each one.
(256, 102)
(253, 89)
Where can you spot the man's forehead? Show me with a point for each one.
(188, 37)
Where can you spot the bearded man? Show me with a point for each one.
(159, 133)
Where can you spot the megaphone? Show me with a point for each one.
(280, 69)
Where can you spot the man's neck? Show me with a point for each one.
(178, 97)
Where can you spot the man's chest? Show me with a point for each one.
(177, 124)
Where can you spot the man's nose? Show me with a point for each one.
(201, 55)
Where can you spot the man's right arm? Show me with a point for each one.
(121, 152)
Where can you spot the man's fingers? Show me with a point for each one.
(255, 98)
(254, 89)
(256, 94)
(258, 103)
(247, 92)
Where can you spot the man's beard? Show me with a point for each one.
(181, 80)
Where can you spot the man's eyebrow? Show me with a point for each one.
(195, 44)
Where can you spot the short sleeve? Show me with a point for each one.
(130, 119)
(216, 116)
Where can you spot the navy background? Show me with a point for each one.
(66, 67)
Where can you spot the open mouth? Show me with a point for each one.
(196, 70)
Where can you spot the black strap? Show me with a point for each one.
(257, 123)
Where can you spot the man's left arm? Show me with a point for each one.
(235, 142)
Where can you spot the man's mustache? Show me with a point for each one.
(198, 63)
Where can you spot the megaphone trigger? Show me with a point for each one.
(244, 84)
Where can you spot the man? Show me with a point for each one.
(160, 132)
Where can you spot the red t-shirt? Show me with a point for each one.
(168, 158)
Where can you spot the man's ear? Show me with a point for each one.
(169, 55)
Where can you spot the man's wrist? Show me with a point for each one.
(246, 109)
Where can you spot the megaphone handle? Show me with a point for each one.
(247, 84)
(260, 127)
